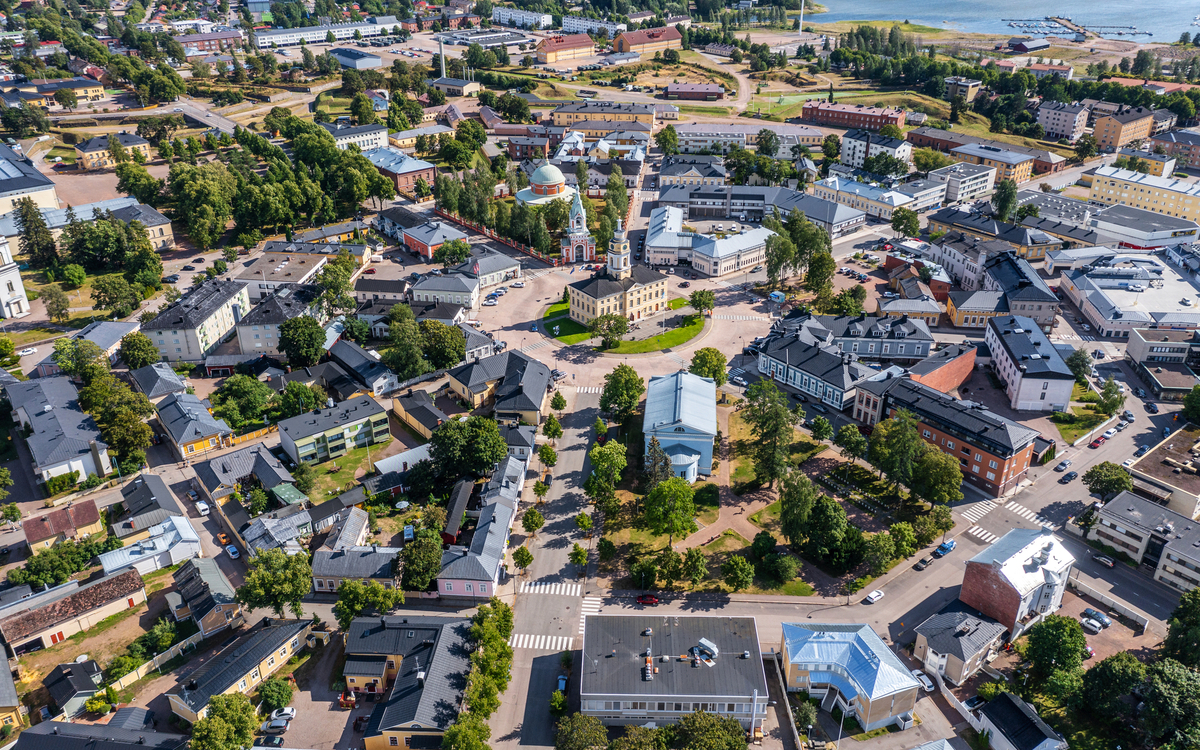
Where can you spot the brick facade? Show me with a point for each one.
(950, 375)
(985, 589)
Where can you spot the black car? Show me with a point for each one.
(1069, 477)
(1152, 408)
(1141, 451)
(189, 268)
(275, 741)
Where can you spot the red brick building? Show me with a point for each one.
(852, 115)
(993, 452)
(1044, 162)
(528, 147)
(1019, 579)
(211, 42)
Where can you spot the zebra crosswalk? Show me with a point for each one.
(546, 587)
(1074, 337)
(978, 510)
(735, 371)
(982, 534)
(591, 606)
(739, 317)
(1028, 514)
(541, 642)
(529, 276)
(588, 389)
(676, 359)
(536, 345)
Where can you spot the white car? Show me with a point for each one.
(921, 678)
(1108, 434)
(1127, 463)
(874, 596)
(490, 303)
(30, 350)
(288, 713)
(1090, 625)
(518, 285)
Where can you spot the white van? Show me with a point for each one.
(376, 258)
(202, 508)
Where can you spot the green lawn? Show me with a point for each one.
(685, 333)
(66, 153)
(768, 517)
(678, 302)
(569, 331)
(559, 308)
(343, 477)
(1086, 420)
(708, 503)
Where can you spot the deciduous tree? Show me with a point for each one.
(609, 328)
(1106, 479)
(1055, 643)
(622, 392)
(276, 581)
(228, 724)
(670, 508)
(137, 350)
(58, 304)
(936, 477)
(355, 597)
(421, 560)
(522, 558)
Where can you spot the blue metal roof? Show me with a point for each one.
(870, 668)
(684, 399)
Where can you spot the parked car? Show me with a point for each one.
(369, 270)
(648, 600)
(1122, 426)
(1152, 408)
(490, 302)
(1069, 477)
(924, 563)
(562, 684)
(191, 495)
(1105, 560)
(28, 351)
(1090, 625)
(518, 285)
(277, 726)
(738, 380)
(1098, 354)
(685, 284)
(233, 551)
(1088, 652)
(945, 548)
(269, 742)
(974, 702)
(1166, 432)
(287, 713)
(874, 596)
(202, 508)
(1098, 616)
(1140, 393)
(923, 679)
(1109, 433)
(1141, 451)
(1127, 463)
(223, 538)
(1062, 465)
(756, 269)
(1129, 416)
(189, 268)
(557, 374)
(1098, 442)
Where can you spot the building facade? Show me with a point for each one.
(1062, 120)
(191, 328)
(1034, 374)
(622, 288)
(860, 145)
(1019, 579)
(852, 115)
(323, 434)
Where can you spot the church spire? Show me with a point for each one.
(578, 220)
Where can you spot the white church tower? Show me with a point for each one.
(578, 246)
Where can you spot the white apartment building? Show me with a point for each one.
(965, 182)
(523, 18)
(192, 327)
(373, 26)
(581, 25)
(366, 137)
(874, 201)
(1035, 375)
(1063, 120)
(860, 145)
(721, 138)
(13, 301)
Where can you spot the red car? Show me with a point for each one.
(1098, 442)
(647, 599)
(369, 270)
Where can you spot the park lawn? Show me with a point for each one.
(569, 331)
(906, 28)
(708, 503)
(1090, 420)
(692, 109)
(29, 336)
(558, 308)
(678, 302)
(330, 481)
(676, 337)
(768, 517)
(741, 439)
(732, 543)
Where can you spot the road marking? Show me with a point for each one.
(591, 606)
(980, 533)
(676, 359)
(587, 389)
(541, 642)
(735, 371)
(545, 587)
(739, 317)
(536, 345)
(1027, 514)
(978, 510)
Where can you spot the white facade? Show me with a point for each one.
(1027, 390)
(193, 341)
(286, 37)
(860, 145)
(581, 25)
(13, 301)
(1062, 120)
(365, 138)
(170, 542)
(523, 18)
(965, 182)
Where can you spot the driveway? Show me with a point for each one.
(319, 723)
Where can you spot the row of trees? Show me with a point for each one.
(695, 731)
(491, 671)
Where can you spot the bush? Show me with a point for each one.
(97, 705)
(275, 693)
(93, 480)
(989, 690)
(61, 483)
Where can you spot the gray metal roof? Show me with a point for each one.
(345, 131)
(960, 631)
(681, 399)
(356, 562)
(125, 208)
(395, 161)
(17, 174)
(822, 361)
(481, 560)
(196, 306)
(365, 368)
(231, 468)
(313, 248)
(391, 471)
(289, 301)
(201, 584)
(434, 646)
(158, 379)
(322, 420)
(62, 735)
(1030, 350)
(484, 262)
(456, 283)
(186, 417)
(222, 671)
(148, 501)
(279, 529)
(100, 142)
(1018, 279)
(523, 380)
(729, 675)
(61, 430)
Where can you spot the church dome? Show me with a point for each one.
(548, 174)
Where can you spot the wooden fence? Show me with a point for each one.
(255, 434)
(166, 656)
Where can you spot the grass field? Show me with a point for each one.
(559, 308)
(691, 328)
(336, 475)
(66, 153)
(741, 440)
(905, 27)
(569, 331)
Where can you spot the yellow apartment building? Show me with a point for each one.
(1122, 128)
(1009, 165)
(1162, 195)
